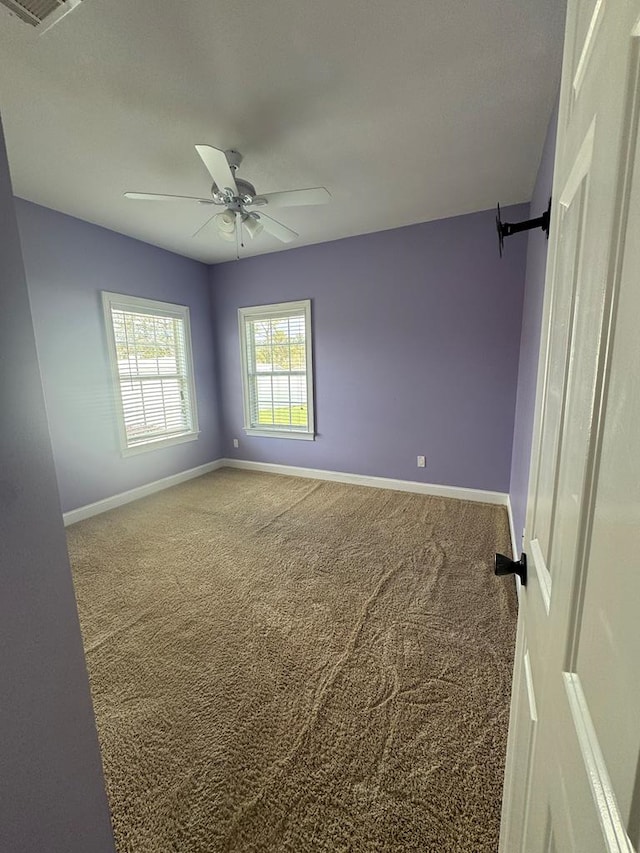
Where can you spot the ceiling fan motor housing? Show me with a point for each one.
(246, 193)
(245, 188)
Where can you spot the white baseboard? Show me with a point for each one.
(376, 482)
(455, 492)
(140, 492)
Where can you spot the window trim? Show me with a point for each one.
(125, 302)
(282, 309)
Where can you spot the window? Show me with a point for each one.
(150, 353)
(275, 342)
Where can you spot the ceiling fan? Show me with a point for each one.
(238, 197)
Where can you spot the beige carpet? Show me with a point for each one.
(281, 664)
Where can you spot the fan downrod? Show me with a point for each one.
(234, 158)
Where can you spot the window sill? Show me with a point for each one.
(160, 443)
(280, 433)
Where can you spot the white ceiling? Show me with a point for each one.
(406, 111)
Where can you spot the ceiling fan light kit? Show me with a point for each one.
(238, 196)
(226, 222)
(253, 225)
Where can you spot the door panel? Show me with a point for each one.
(608, 658)
(599, 824)
(589, 16)
(526, 719)
(515, 795)
(570, 231)
(560, 826)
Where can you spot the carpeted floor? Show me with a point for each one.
(280, 664)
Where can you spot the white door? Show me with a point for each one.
(572, 780)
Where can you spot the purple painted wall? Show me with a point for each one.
(52, 794)
(416, 337)
(530, 338)
(68, 263)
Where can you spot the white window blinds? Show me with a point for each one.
(276, 354)
(151, 360)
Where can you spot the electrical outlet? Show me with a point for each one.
(421, 462)
(236, 443)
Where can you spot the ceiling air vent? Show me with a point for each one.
(42, 14)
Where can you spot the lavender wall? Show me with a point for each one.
(416, 336)
(52, 794)
(530, 338)
(68, 263)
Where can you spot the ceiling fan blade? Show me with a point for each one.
(218, 167)
(158, 197)
(293, 198)
(277, 229)
(204, 225)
